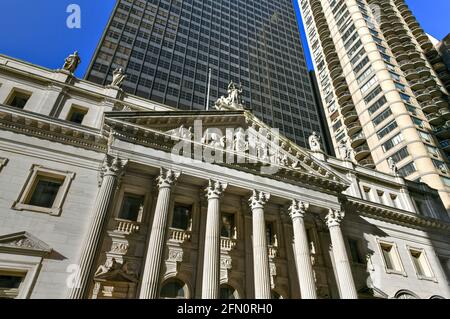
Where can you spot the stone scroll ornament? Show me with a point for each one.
(259, 199)
(334, 217)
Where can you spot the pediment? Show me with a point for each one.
(23, 242)
(243, 141)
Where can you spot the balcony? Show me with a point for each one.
(440, 102)
(126, 227)
(396, 48)
(435, 92)
(435, 119)
(227, 243)
(341, 88)
(428, 81)
(350, 117)
(357, 140)
(445, 145)
(333, 62)
(367, 163)
(348, 107)
(417, 31)
(418, 62)
(179, 235)
(411, 74)
(344, 98)
(406, 64)
(353, 128)
(401, 56)
(416, 84)
(426, 44)
(423, 71)
(421, 37)
(338, 80)
(361, 152)
(423, 95)
(429, 107)
(445, 113)
(439, 67)
(442, 131)
(335, 72)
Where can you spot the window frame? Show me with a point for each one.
(394, 246)
(412, 249)
(36, 172)
(17, 91)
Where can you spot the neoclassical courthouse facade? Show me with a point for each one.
(107, 195)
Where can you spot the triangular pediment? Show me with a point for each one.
(24, 242)
(243, 140)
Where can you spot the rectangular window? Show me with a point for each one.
(182, 215)
(387, 129)
(377, 105)
(421, 265)
(18, 99)
(228, 228)
(10, 284)
(76, 115)
(368, 84)
(383, 116)
(407, 170)
(373, 94)
(391, 257)
(400, 155)
(44, 192)
(132, 207)
(397, 139)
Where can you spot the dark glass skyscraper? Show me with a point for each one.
(168, 46)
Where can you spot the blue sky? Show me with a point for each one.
(36, 31)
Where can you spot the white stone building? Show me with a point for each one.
(94, 203)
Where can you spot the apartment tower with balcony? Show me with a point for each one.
(384, 87)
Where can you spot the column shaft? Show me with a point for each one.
(260, 256)
(112, 170)
(150, 278)
(303, 260)
(211, 262)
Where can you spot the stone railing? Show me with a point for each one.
(127, 226)
(179, 235)
(227, 243)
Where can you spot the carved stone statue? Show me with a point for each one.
(233, 101)
(345, 151)
(72, 62)
(393, 166)
(314, 142)
(118, 77)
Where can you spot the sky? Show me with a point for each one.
(37, 32)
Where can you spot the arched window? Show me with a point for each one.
(228, 292)
(173, 289)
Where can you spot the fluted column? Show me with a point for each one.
(155, 249)
(302, 255)
(211, 261)
(110, 174)
(260, 254)
(344, 273)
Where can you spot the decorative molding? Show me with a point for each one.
(43, 127)
(24, 243)
(215, 189)
(167, 177)
(298, 209)
(259, 199)
(334, 218)
(112, 166)
(390, 214)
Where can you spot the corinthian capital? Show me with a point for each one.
(112, 166)
(298, 209)
(334, 217)
(215, 189)
(259, 199)
(167, 177)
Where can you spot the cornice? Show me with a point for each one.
(55, 130)
(391, 214)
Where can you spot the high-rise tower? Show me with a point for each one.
(168, 46)
(384, 87)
